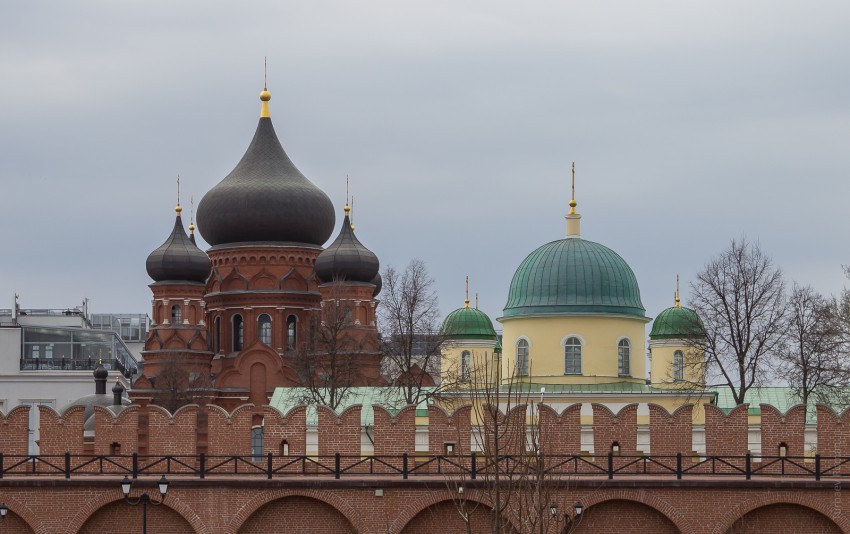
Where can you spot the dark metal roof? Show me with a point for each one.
(178, 258)
(347, 259)
(379, 284)
(265, 198)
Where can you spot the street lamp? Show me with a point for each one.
(3, 510)
(144, 498)
(568, 521)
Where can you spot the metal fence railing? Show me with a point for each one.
(471, 466)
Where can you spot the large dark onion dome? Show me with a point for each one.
(178, 259)
(265, 198)
(346, 258)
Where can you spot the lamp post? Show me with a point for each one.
(144, 499)
(568, 521)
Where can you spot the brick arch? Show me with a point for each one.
(242, 515)
(663, 507)
(806, 500)
(108, 497)
(27, 516)
(432, 498)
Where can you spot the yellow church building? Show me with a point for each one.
(574, 331)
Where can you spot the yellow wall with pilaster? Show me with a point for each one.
(599, 334)
(661, 363)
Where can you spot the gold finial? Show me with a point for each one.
(352, 213)
(573, 202)
(677, 301)
(476, 301)
(178, 209)
(191, 215)
(467, 292)
(265, 95)
(347, 207)
(100, 356)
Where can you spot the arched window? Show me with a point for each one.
(624, 350)
(465, 365)
(217, 336)
(176, 314)
(257, 443)
(678, 365)
(264, 322)
(291, 338)
(238, 331)
(572, 356)
(522, 357)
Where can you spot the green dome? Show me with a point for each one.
(468, 323)
(574, 276)
(676, 323)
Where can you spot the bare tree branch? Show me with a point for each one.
(411, 343)
(739, 296)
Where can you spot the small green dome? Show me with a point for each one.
(676, 323)
(468, 323)
(574, 276)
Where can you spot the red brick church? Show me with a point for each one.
(234, 324)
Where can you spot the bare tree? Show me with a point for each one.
(739, 296)
(812, 360)
(328, 369)
(177, 385)
(410, 332)
(512, 472)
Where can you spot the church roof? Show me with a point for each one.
(468, 323)
(347, 259)
(265, 198)
(573, 276)
(676, 322)
(178, 258)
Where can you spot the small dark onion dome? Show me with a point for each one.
(117, 393)
(178, 259)
(100, 372)
(346, 258)
(379, 284)
(265, 197)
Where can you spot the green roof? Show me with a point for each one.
(468, 323)
(607, 387)
(574, 276)
(781, 398)
(676, 323)
(285, 399)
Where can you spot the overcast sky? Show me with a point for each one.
(690, 122)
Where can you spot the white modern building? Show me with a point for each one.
(47, 357)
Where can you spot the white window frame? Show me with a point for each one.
(627, 368)
(580, 354)
(526, 368)
(679, 369)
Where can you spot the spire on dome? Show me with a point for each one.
(178, 209)
(466, 302)
(573, 217)
(192, 220)
(265, 95)
(678, 303)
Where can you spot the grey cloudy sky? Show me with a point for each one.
(691, 122)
